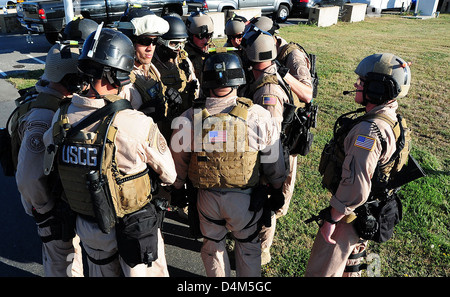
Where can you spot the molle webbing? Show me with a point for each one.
(73, 177)
(42, 100)
(129, 193)
(148, 88)
(225, 160)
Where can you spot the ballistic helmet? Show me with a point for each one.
(79, 30)
(222, 70)
(177, 33)
(266, 24)
(235, 25)
(61, 60)
(259, 46)
(385, 77)
(111, 53)
(199, 23)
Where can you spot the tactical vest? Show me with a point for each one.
(333, 154)
(177, 77)
(224, 160)
(152, 90)
(25, 103)
(87, 151)
(197, 57)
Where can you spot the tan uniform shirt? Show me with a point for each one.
(271, 96)
(32, 184)
(262, 133)
(134, 151)
(297, 62)
(363, 151)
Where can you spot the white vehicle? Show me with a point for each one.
(280, 9)
(8, 4)
(386, 4)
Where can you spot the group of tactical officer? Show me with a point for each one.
(147, 115)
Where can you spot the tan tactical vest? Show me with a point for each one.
(333, 155)
(88, 151)
(225, 160)
(42, 100)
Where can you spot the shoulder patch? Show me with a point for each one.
(162, 144)
(365, 142)
(269, 100)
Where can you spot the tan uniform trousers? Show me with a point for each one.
(232, 207)
(267, 233)
(59, 258)
(330, 259)
(99, 245)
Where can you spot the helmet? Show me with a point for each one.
(199, 23)
(61, 60)
(222, 70)
(386, 77)
(235, 25)
(79, 30)
(177, 32)
(110, 53)
(141, 21)
(266, 24)
(135, 12)
(259, 46)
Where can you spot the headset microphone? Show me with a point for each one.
(348, 92)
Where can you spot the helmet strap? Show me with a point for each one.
(217, 96)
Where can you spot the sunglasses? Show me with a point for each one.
(146, 41)
(204, 35)
(237, 36)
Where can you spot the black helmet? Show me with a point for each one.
(79, 30)
(177, 28)
(112, 51)
(135, 12)
(222, 70)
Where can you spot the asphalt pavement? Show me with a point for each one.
(20, 246)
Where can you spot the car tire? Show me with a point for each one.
(282, 14)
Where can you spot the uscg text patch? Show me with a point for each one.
(365, 142)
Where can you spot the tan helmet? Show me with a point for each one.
(61, 60)
(235, 25)
(266, 24)
(259, 46)
(199, 23)
(386, 77)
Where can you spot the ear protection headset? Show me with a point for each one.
(380, 88)
(73, 82)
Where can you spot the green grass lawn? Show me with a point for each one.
(421, 242)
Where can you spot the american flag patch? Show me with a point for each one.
(269, 100)
(217, 136)
(365, 142)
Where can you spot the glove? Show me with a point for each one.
(276, 198)
(178, 197)
(173, 98)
